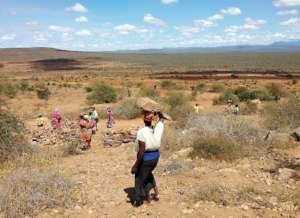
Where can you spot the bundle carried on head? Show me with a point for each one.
(149, 105)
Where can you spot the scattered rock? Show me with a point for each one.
(284, 174)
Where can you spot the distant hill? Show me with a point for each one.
(33, 54)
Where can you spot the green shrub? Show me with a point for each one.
(217, 87)
(102, 93)
(24, 86)
(146, 91)
(168, 84)
(263, 95)
(244, 94)
(88, 89)
(282, 115)
(43, 93)
(223, 98)
(127, 109)
(28, 191)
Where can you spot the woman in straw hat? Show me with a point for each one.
(148, 144)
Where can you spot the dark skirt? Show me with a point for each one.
(144, 179)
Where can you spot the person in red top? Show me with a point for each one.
(110, 118)
(56, 117)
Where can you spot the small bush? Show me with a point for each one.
(263, 95)
(24, 86)
(214, 136)
(27, 191)
(282, 115)
(127, 109)
(72, 147)
(167, 84)
(244, 94)
(150, 92)
(276, 91)
(217, 87)
(88, 89)
(223, 98)
(12, 140)
(102, 93)
(43, 93)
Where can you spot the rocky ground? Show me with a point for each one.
(188, 188)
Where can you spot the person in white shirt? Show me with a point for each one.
(148, 144)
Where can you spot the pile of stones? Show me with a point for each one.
(114, 138)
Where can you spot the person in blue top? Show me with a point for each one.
(148, 144)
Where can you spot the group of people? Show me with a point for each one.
(232, 108)
(147, 146)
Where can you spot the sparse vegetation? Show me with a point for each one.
(8, 89)
(223, 98)
(214, 136)
(28, 191)
(249, 108)
(282, 115)
(217, 87)
(43, 93)
(275, 91)
(102, 93)
(168, 84)
(127, 109)
(146, 91)
(12, 141)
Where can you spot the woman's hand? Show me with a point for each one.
(134, 169)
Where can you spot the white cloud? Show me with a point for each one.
(60, 29)
(8, 37)
(216, 17)
(187, 30)
(41, 37)
(77, 8)
(286, 3)
(82, 19)
(168, 2)
(32, 23)
(203, 24)
(125, 29)
(287, 13)
(83, 33)
(231, 11)
(253, 24)
(293, 22)
(148, 18)
(249, 24)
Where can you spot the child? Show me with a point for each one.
(40, 120)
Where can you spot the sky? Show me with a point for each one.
(106, 25)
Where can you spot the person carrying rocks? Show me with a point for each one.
(147, 147)
(85, 132)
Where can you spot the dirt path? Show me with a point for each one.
(105, 179)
